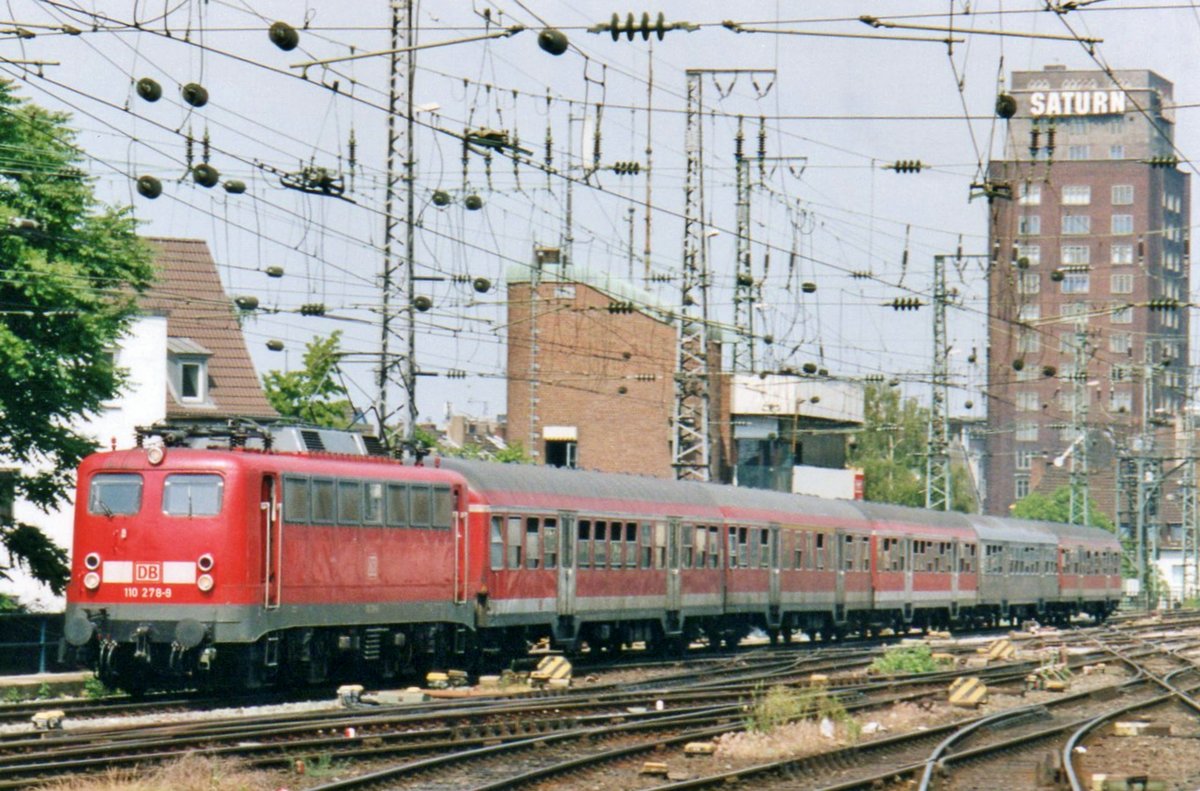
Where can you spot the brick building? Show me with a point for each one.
(591, 363)
(1095, 230)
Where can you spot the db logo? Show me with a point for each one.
(147, 572)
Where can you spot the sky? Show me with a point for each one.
(838, 101)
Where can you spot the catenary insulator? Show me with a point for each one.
(473, 202)
(206, 175)
(194, 94)
(422, 303)
(149, 89)
(553, 41)
(235, 187)
(149, 187)
(274, 271)
(275, 345)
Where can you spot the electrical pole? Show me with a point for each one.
(691, 442)
(743, 292)
(402, 63)
(1080, 494)
(1187, 505)
(938, 494)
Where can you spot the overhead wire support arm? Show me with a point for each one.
(737, 27)
(878, 23)
(506, 33)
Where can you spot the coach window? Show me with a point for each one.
(443, 507)
(819, 552)
(848, 560)
(295, 499)
(701, 547)
(647, 546)
(115, 493)
(397, 505)
(372, 503)
(600, 544)
(497, 543)
(660, 545)
(631, 545)
(192, 495)
(714, 547)
(744, 547)
(533, 553)
(513, 537)
(349, 502)
(322, 501)
(733, 547)
(688, 550)
(764, 548)
(421, 507)
(584, 550)
(798, 553)
(550, 543)
(614, 545)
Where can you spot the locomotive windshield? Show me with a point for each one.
(192, 495)
(115, 493)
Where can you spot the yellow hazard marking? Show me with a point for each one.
(552, 668)
(1001, 649)
(967, 691)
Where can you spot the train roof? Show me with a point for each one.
(995, 528)
(762, 502)
(527, 485)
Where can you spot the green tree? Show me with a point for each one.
(1056, 507)
(70, 272)
(313, 394)
(890, 450)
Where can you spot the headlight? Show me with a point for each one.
(205, 562)
(204, 582)
(91, 561)
(91, 580)
(155, 454)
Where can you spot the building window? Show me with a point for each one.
(1116, 151)
(1031, 312)
(1021, 488)
(1072, 309)
(1122, 284)
(1122, 194)
(1122, 254)
(1122, 315)
(1077, 195)
(1028, 401)
(1032, 254)
(191, 381)
(1029, 283)
(1076, 255)
(1120, 343)
(1025, 458)
(1027, 432)
(1076, 224)
(1029, 225)
(1029, 342)
(1076, 283)
(1030, 193)
(1120, 401)
(1122, 224)
(1079, 152)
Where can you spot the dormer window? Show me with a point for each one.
(187, 363)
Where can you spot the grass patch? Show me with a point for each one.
(189, 773)
(781, 705)
(905, 659)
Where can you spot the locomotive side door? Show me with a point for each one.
(270, 519)
(462, 546)
(674, 593)
(566, 563)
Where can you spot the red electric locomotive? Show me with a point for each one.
(244, 566)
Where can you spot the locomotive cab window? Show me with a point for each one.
(443, 507)
(497, 543)
(115, 494)
(422, 507)
(295, 499)
(192, 495)
(372, 503)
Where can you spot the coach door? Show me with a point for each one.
(908, 577)
(839, 564)
(566, 563)
(270, 516)
(674, 592)
(775, 563)
(462, 547)
(955, 554)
